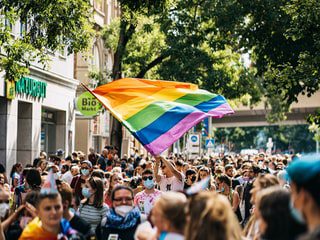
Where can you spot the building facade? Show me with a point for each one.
(94, 131)
(41, 115)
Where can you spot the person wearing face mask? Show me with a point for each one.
(76, 222)
(145, 199)
(92, 208)
(78, 180)
(274, 217)
(304, 176)
(122, 220)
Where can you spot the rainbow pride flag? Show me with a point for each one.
(158, 113)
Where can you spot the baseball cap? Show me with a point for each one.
(304, 168)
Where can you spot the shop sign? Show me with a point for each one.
(31, 87)
(88, 105)
(10, 89)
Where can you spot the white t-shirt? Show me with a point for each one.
(171, 184)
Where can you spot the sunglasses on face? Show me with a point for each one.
(146, 178)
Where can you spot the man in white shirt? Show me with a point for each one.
(145, 200)
(172, 179)
(66, 175)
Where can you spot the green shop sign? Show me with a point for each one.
(88, 105)
(31, 87)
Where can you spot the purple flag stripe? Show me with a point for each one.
(167, 139)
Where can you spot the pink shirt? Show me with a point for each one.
(146, 201)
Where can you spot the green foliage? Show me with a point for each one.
(183, 44)
(145, 7)
(314, 121)
(48, 25)
(110, 34)
(285, 138)
(284, 39)
(99, 77)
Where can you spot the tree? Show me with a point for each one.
(179, 43)
(283, 38)
(130, 13)
(48, 25)
(285, 138)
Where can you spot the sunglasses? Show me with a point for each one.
(146, 178)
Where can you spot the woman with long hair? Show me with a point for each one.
(42, 165)
(114, 179)
(210, 217)
(225, 188)
(251, 230)
(15, 175)
(206, 172)
(92, 208)
(276, 216)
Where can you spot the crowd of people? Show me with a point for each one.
(103, 196)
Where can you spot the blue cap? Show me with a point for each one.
(304, 168)
(59, 152)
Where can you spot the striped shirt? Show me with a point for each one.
(92, 214)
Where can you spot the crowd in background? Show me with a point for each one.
(103, 196)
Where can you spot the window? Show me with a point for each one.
(98, 5)
(23, 28)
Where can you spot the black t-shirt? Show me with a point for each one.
(81, 226)
(235, 183)
(102, 162)
(92, 157)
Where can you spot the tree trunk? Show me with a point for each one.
(127, 29)
(155, 62)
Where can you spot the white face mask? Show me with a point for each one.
(123, 210)
(4, 208)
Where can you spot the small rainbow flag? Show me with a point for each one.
(156, 112)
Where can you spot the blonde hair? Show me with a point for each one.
(172, 205)
(211, 218)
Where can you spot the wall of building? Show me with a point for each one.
(22, 118)
(96, 133)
